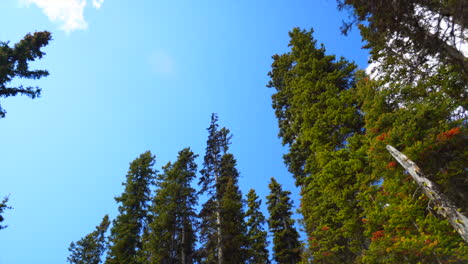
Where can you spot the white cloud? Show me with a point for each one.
(97, 3)
(70, 13)
(163, 63)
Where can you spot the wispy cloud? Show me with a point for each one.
(163, 63)
(69, 13)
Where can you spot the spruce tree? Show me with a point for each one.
(233, 241)
(256, 235)
(286, 245)
(14, 64)
(171, 235)
(320, 120)
(89, 249)
(126, 233)
(222, 232)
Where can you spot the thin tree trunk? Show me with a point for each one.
(442, 205)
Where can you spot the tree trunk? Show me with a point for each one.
(442, 205)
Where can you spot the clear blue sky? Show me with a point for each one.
(132, 76)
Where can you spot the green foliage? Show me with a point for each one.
(89, 249)
(286, 246)
(171, 235)
(3, 206)
(256, 235)
(412, 39)
(14, 64)
(222, 228)
(319, 118)
(126, 232)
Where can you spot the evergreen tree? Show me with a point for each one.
(233, 240)
(320, 121)
(89, 249)
(411, 39)
(286, 245)
(126, 232)
(222, 232)
(256, 235)
(171, 235)
(3, 206)
(14, 64)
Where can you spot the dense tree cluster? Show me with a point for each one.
(359, 205)
(159, 222)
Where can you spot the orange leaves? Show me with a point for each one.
(377, 235)
(391, 165)
(447, 135)
(382, 136)
(325, 228)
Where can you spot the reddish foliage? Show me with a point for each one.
(326, 253)
(377, 234)
(447, 135)
(391, 165)
(382, 136)
(325, 228)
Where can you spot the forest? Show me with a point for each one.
(358, 203)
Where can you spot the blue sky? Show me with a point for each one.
(131, 76)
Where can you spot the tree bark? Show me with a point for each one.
(442, 205)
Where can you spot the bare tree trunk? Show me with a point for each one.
(443, 206)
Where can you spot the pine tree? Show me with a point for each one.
(89, 249)
(233, 241)
(171, 235)
(222, 232)
(131, 223)
(411, 39)
(286, 245)
(14, 64)
(256, 235)
(320, 120)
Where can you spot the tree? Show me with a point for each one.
(320, 120)
(14, 64)
(126, 232)
(286, 245)
(89, 249)
(411, 40)
(222, 232)
(256, 235)
(233, 240)
(3, 206)
(171, 234)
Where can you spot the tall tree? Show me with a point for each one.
(126, 232)
(410, 40)
(171, 235)
(286, 245)
(14, 64)
(320, 120)
(222, 232)
(89, 249)
(256, 235)
(233, 240)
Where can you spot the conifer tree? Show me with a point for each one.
(222, 232)
(286, 245)
(89, 249)
(126, 233)
(171, 235)
(256, 235)
(320, 120)
(14, 64)
(233, 241)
